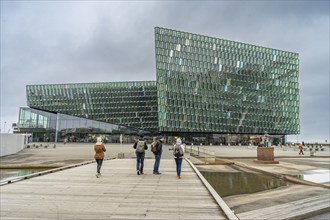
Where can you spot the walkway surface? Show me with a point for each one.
(290, 210)
(74, 193)
(120, 193)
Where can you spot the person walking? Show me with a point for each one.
(99, 149)
(300, 147)
(178, 152)
(140, 146)
(158, 154)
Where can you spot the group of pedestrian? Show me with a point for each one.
(140, 147)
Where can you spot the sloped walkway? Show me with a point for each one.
(119, 194)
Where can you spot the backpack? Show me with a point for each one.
(178, 152)
(140, 146)
(154, 147)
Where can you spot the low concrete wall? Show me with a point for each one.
(12, 143)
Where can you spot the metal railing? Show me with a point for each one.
(198, 150)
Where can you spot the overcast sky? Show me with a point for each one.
(45, 42)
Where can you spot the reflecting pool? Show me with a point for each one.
(11, 173)
(317, 176)
(234, 183)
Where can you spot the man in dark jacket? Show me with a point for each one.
(140, 147)
(158, 154)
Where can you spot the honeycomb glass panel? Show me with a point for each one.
(106, 102)
(243, 85)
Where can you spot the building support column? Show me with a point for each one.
(57, 125)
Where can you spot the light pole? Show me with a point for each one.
(4, 127)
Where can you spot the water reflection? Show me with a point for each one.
(11, 173)
(227, 184)
(317, 176)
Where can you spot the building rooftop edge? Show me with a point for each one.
(78, 83)
(296, 53)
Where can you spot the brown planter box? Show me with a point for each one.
(265, 155)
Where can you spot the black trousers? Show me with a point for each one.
(99, 165)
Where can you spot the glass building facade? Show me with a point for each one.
(51, 127)
(211, 85)
(206, 90)
(131, 104)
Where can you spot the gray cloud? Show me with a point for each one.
(69, 42)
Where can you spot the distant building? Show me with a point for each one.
(207, 90)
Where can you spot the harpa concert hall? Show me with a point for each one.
(207, 90)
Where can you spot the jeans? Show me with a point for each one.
(99, 165)
(157, 161)
(178, 162)
(140, 161)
